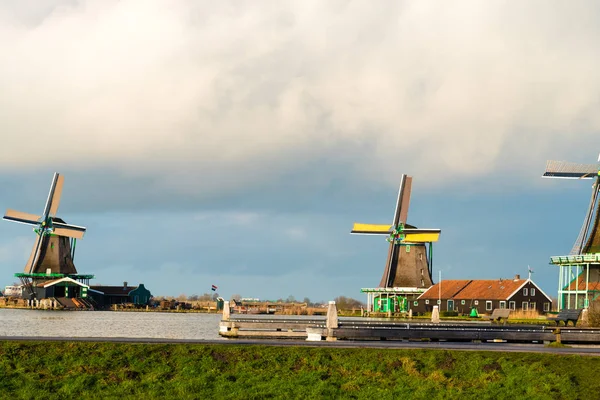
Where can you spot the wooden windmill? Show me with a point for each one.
(54, 249)
(588, 240)
(408, 263)
(579, 272)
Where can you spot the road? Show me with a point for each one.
(463, 346)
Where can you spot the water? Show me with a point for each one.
(109, 324)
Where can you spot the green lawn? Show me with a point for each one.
(59, 370)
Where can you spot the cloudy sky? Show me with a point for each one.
(235, 142)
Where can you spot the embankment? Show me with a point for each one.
(59, 370)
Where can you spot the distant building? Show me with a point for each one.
(109, 295)
(13, 291)
(484, 296)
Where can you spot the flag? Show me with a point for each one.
(213, 288)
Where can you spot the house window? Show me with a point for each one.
(462, 302)
(533, 306)
(512, 305)
(532, 292)
(525, 306)
(415, 303)
(439, 301)
(524, 291)
(503, 305)
(546, 307)
(488, 305)
(426, 301)
(476, 302)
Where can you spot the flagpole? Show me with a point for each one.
(440, 288)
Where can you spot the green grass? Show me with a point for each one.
(58, 370)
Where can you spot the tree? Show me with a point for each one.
(307, 301)
(347, 303)
(236, 297)
(205, 297)
(290, 299)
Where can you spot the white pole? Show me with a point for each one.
(440, 287)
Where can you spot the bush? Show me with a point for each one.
(448, 314)
(594, 314)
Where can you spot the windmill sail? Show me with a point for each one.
(569, 170)
(407, 263)
(588, 240)
(592, 244)
(582, 239)
(52, 250)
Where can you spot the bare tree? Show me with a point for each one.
(347, 303)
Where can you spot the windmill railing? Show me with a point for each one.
(53, 276)
(576, 259)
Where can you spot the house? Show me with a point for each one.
(13, 291)
(61, 287)
(483, 295)
(109, 295)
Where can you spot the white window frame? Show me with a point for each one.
(546, 307)
(476, 302)
(439, 301)
(525, 306)
(512, 305)
(416, 303)
(502, 304)
(488, 305)
(426, 301)
(462, 302)
(533, 306)
(525, 291)
(532, 291)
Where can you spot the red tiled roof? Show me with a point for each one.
(449, 289)
(493, 289)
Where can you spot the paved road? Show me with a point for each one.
(466, 346)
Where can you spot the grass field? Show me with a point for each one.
(59, 370)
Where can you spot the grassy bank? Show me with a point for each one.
(56, 370)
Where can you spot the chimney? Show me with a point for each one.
(125, 285)
(517, 277)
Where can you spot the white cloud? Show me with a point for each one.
(215, 96)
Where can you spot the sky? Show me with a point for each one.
(234, 143)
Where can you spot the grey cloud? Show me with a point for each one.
(200, 99)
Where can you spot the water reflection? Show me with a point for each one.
(109, 324)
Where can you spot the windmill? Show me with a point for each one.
(54, 249)
(408, 264)
(579, 272)
(588, 240)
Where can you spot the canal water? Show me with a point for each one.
(109, 324)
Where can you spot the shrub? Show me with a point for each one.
(448, 314)
(594, 314)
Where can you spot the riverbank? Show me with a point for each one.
(56, 370)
